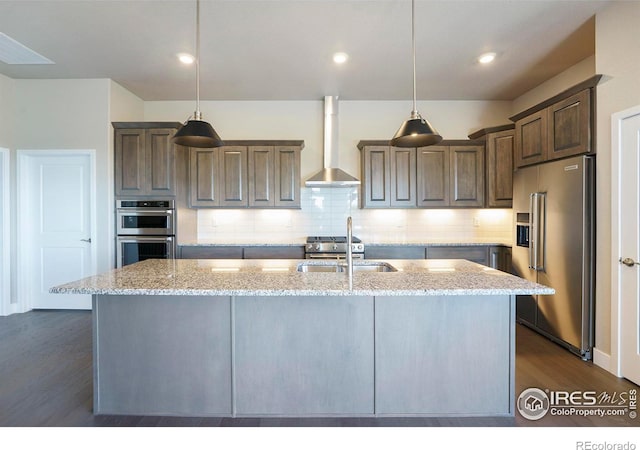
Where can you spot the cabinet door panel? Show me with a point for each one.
(261, 177)
(403, 177)
(233, 176)
(287, 177)
(211, 252)
(531, 139)
(476, 254)
(467, 176)
(130, 162)
(375, 177)
(161, 162)
(569, 126)
(500, 169)
(432, 176)
(203, 177)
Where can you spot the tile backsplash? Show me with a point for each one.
(324, 211)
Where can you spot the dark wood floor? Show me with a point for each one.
(46, 380)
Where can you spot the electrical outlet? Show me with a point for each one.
(476, 222)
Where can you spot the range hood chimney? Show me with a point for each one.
(331, 175)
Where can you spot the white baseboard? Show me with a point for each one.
(602, 359)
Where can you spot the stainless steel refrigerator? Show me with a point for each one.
(554, 213)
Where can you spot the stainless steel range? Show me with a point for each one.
(332, 247)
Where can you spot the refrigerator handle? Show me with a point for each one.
(542, 231)
(532, 230)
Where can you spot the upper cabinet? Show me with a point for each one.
(499, 143)
(447, 175)
(388, 177)
(559, 127)
(274, 176)
(241, 174)
(145, 163)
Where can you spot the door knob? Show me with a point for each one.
(629, 262)
(86, 240)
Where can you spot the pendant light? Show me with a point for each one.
(416, 131)
(196, 132)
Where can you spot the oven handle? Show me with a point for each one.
(137, 212)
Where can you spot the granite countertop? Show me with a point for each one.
(275, 277)
(435, 242)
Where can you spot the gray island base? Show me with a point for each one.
(260, 339)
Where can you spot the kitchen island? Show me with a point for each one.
(259, 338)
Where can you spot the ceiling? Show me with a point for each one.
(282, 49)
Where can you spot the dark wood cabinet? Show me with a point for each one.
(210, 252)
(375, 176)
(241, 174)
(274, 177)
(559, 127)
(499, 144)
(241, 252)
(402, 179)
(287, 171)
(145, 159)
(388, 177)
(500, 258)
(204, 169)
(394, 252)
(274, 252)
(478, 254)
(233, 176)
(437, 176)
(433, 176)
(531, 139)
(466, 180)
(569, 126)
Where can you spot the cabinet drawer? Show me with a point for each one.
(395, 252)
(211, 252)
(476, 254)
(274, 252)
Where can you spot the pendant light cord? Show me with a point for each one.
(414, 113)
(197, 113)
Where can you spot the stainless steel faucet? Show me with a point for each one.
(350, 251)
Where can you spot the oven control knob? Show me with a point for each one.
(317, 246)
(335, 246)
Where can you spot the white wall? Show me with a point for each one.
(71, 114)
(7, 101)
(7, 203)
(618, 59)
(324, 211)
(584, 70)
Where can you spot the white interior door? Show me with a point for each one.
(55, 226)
(628, 267)
(5, 284)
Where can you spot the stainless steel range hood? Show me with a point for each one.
(331, 175)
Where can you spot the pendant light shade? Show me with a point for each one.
(196, 132)
(415, 131)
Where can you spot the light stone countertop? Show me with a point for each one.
(279, 277)
(435, 242)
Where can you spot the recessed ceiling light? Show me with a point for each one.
(486, 58)
(340, 58)
(186, 58)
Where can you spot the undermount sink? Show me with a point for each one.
(335, 266)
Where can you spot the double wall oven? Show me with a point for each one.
(145, 229)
